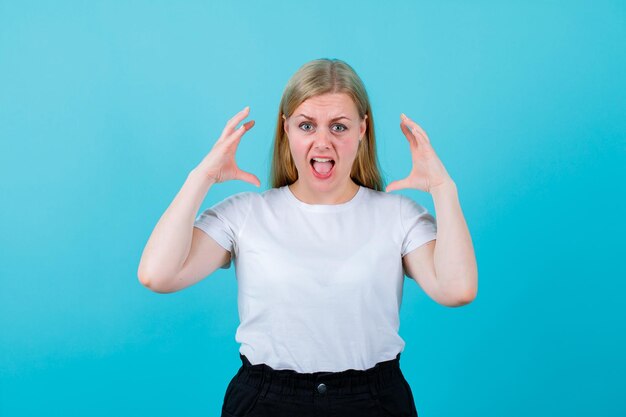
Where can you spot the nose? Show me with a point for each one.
(322, 140)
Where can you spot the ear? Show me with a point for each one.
(285, 124)
(363, 127)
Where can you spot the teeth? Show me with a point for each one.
(322, 160)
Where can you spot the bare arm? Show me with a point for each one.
(446, 267)
(176, 254)
(170, 241)
(454, 258)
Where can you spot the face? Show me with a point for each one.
(326, 126)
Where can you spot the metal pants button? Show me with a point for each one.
(321, 388)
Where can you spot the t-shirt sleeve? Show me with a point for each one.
(418, 224)
(225, 220)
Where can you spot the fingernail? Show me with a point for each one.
(402, 116)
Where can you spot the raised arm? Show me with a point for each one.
(445, 268)
(177, 255)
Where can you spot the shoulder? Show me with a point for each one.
(406, 205)
(386, 201)
(405, 208)
(232, 207)
(380, 197)
(251, 200)
(235, 200)
(410, 206)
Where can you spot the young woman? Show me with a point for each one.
(321, 256)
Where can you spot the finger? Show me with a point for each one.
(237, 134)
(419, 137)
(398, 185)
(247, 177)
(414, 127)
(406, 129)
(241, 130)
(248, 125)
(409, 134)
(422, 132)
(234, 121)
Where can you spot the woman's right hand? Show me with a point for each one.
(219, 165)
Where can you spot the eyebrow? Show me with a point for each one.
(312, 118)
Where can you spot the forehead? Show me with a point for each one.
(327, 105)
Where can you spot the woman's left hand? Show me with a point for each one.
(428, 171)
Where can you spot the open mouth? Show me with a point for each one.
(322, 168)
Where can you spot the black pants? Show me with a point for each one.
(259, 390)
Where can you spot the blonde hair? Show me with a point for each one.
(317, 77)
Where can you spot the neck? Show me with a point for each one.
(332, 196)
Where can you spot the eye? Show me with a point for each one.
(305, 124)
(343, 128)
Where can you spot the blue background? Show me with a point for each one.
(105, 107)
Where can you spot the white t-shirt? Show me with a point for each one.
(319, 286)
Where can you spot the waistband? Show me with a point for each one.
(291, 382)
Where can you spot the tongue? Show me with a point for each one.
(322, 167)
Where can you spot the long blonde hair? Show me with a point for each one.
(317, 77)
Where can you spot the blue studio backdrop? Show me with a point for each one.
(105, 107)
